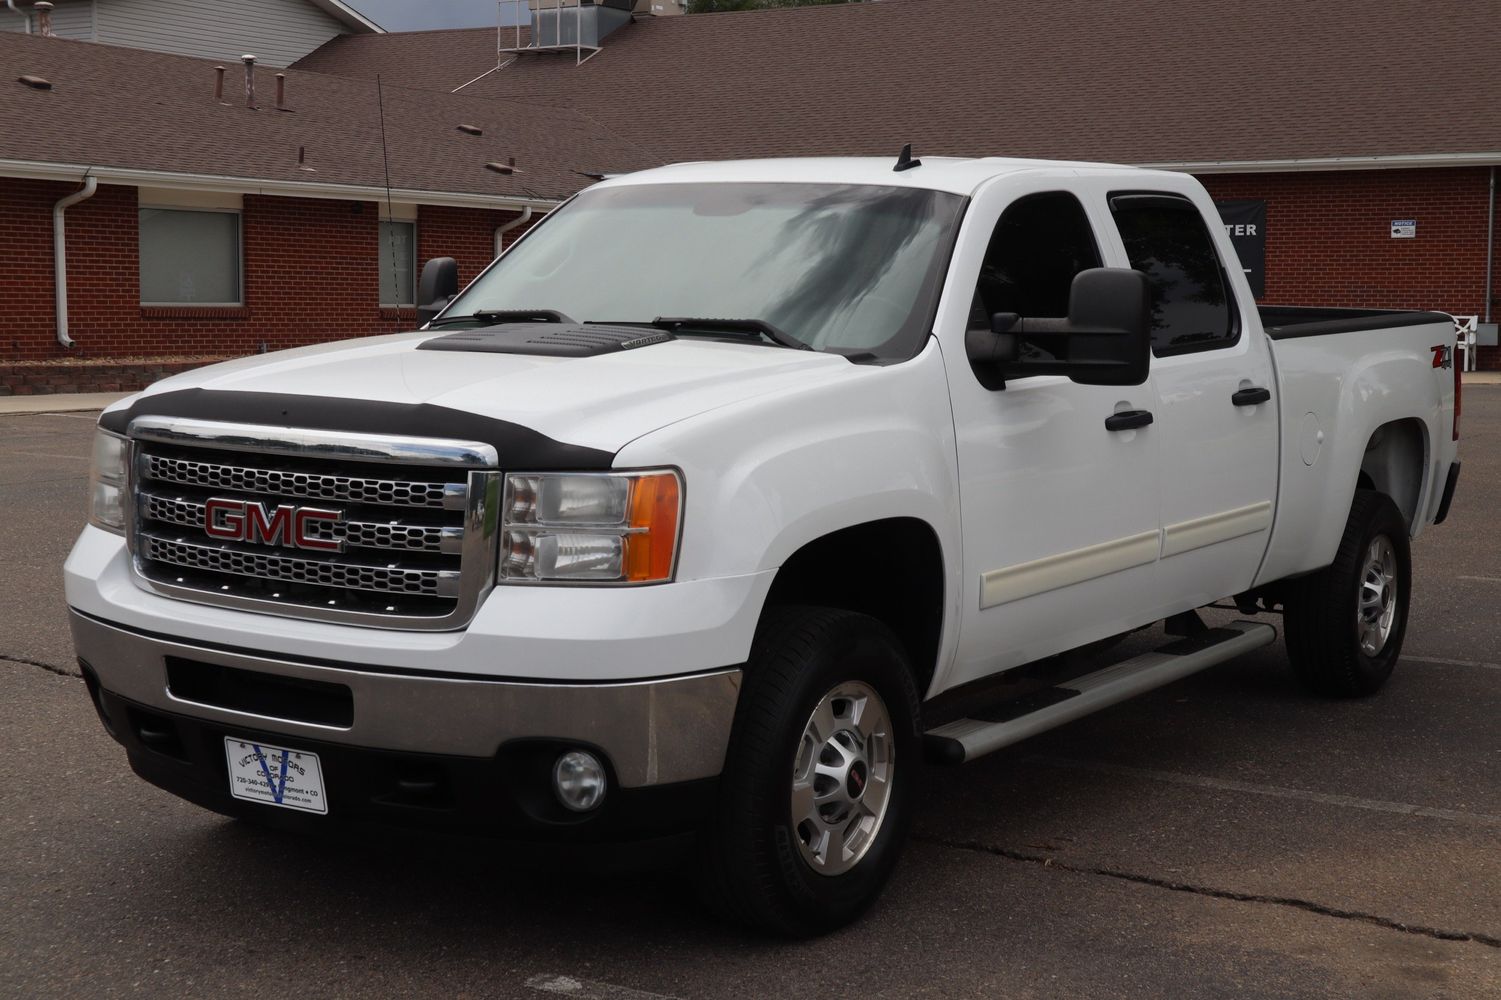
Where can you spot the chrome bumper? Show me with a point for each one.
(654, 732)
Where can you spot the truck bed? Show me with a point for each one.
(1284, 322)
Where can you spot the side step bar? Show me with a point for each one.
(966, 739)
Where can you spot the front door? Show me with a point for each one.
(1059, 516)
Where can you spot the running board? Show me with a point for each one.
(966, 739)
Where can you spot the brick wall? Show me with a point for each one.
(310, 275)
(1329, 237)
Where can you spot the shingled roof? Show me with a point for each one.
(126, 112)
(1135, 81)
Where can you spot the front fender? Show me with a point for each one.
(766, 476)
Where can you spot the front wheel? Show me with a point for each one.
(816, 794)
(1345, 623)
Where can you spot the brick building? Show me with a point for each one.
(1334, 122)
(1338, 118)
(195, 227)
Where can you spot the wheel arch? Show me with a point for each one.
(1395, 463)
(891, 569)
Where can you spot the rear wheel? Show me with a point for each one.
(816, 794)
(1346, 623)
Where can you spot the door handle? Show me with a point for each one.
(1128, 420)
(1251, 396)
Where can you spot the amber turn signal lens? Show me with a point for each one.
(649, 550)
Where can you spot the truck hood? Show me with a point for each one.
(600, 402)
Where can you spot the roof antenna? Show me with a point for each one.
(904, 160)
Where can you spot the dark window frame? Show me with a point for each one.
(1175, 201)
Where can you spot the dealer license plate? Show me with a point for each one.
(276, 776)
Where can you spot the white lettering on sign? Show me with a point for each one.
(1240, 229)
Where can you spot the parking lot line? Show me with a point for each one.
(587, 990)
(1275, 791)
(1451, 663)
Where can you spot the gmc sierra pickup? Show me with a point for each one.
(697, 511)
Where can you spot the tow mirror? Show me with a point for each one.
(436, 288)
(1105, 340)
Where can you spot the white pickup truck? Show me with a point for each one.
(698, 511)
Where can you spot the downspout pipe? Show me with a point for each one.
(60, 254)
(25, 17)
(526, 216)
(1490, 245)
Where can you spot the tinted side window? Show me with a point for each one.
(1039, 244)
(1166, 240)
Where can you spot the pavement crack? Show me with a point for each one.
(50, 668)
(1171, 885)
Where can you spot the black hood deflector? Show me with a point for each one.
(548, 340)
(520, 448)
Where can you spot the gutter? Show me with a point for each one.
(1409, 162)
(526, 216)
(38, 170)
(60, 254)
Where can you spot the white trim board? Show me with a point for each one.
(249, 185)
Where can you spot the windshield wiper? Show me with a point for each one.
(495, 317)
(705, 324)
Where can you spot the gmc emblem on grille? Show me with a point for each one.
(286, 525)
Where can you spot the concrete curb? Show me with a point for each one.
(61, 402)
(1482, 378)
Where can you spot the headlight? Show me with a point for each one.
(107, 482)
(611, 527)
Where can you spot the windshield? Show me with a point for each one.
(851, 269)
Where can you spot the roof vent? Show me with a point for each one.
(43, 17)
(471, 129)
(35, 82)
(507, 168)
(249, 61)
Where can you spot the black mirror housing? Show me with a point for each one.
(1105, 340)
(436, 287)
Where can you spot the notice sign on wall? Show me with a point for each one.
(1404, 229)
(1245, 224)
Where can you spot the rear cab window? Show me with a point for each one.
(1166, 239)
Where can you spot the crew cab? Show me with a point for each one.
(695, 514)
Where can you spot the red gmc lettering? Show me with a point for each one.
(286, 525)
(224, 519)
(307, 541)
(273, 530)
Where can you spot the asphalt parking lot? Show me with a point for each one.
(1226, 836)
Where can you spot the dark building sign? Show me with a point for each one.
(1245, 224)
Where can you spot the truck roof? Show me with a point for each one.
(958, 175)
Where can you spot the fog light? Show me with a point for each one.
(578, 778)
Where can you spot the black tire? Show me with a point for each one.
(753, 870)
(1323, 631)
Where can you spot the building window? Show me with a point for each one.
(189, 258)
(398, 263)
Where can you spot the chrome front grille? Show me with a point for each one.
(412, 547)
(316, 486)
(348, 576)
(395, 534)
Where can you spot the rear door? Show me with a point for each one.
(1216, 415)
(1059, 513)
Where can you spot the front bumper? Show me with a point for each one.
(449, 751)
